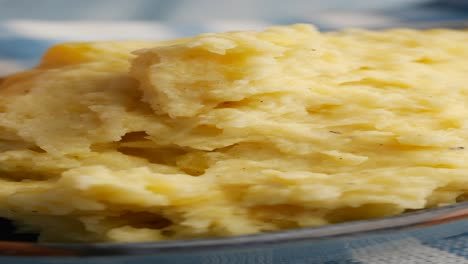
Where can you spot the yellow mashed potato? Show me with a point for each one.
(234, 133)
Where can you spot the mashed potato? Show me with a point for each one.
(234, 133)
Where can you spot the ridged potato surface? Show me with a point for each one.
(234, 133)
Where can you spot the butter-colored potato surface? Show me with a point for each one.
(234, 133)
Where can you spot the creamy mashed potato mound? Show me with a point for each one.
(234, 133)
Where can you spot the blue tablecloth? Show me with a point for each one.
(27, 28)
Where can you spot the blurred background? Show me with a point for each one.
(28, 27)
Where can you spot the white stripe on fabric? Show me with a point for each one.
(90, 30)
(9, 66)
(341, 19)
(233, 25)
